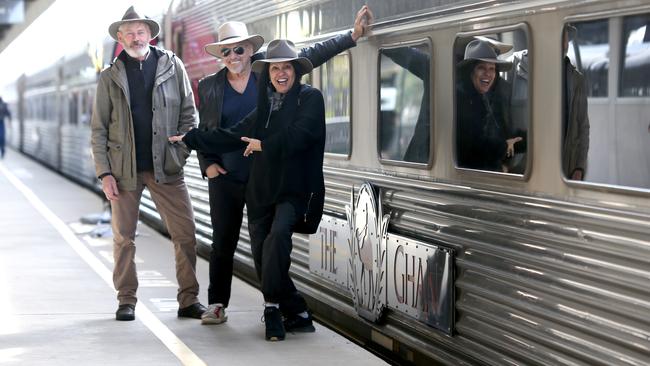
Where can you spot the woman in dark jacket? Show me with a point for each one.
(285, 136)
(483, 110)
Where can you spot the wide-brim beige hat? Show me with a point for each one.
(233, 32)
(480, 50)
(132, 16)
(282, 50)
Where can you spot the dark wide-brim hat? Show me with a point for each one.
(132, 16)
(233, 32)
(282, 50)
(482, 50)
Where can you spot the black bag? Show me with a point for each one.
(309, 221)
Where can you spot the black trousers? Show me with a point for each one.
(271, 245)
(226, 213)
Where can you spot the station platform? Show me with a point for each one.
(57, 302)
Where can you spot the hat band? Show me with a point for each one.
(231, 37)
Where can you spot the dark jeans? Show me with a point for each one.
(226, 212)
(271, 245)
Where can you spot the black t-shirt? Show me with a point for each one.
(236, 106)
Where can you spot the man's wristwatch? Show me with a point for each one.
(101, 176)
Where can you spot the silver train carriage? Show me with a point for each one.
(419, 256)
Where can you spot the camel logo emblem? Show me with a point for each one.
(367, 263)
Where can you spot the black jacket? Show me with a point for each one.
(290, 165)
(211, 88)
(483, 122)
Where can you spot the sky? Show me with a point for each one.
(66, 27)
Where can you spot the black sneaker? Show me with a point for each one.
(125, 312)
(274, 326)
(298, 324)
(193, 311)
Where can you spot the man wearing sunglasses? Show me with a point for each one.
(225, 98)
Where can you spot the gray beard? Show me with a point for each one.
(136, 53)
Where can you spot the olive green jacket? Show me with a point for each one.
(112, 136)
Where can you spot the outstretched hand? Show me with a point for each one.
(362, 23)
(176, 138)
(253, 145)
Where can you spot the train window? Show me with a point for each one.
(635, 69)
(607, 140)
(588, 50)
(87, 107)
(335, 85)
(404, 127)
(73, 109)
(492, 104)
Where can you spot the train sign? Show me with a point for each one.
(383, 270)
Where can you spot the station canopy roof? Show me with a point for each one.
(16, 16)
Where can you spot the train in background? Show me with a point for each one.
(419, 258)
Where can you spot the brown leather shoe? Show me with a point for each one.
(125, 312)
(193, 311)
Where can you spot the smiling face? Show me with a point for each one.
(483, 76)
(134, 37)
(282, 76)
(235, 62)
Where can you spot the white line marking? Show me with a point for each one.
(169, 339)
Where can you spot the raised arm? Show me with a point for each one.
(321, 52)
(410, 58)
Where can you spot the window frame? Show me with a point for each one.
(397, 43)
(581, 184)
(318, 74)
(525, 27)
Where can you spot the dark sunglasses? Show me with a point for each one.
(238, 50)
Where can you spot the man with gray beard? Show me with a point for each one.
(142, 98)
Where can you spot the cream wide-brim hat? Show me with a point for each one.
(233, 32)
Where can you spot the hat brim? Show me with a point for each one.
(503, 64)
(153, 26)
(304, 63)
(215, 48)
(499, 46)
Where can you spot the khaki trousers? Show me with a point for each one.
(172, 201)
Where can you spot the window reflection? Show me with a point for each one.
(335, 85)
(492, 104)
(636, 57)
(575, 121)
(588, 50)
(404, 103)
(617, 133)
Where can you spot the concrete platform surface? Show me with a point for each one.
(57, 302)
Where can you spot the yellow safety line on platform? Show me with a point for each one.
(173, 343)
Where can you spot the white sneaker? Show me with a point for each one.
(216, 314)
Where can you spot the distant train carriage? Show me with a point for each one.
(420, 256)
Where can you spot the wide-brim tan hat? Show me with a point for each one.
(480, 50)
(132, 16)
(233, 32)
(282, 50)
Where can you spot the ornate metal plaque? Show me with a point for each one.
(384, 270)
